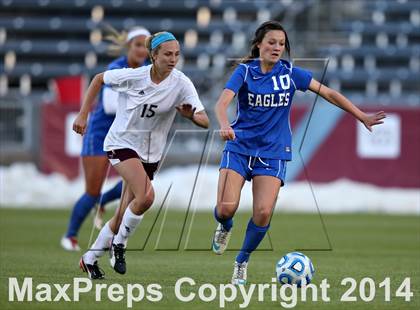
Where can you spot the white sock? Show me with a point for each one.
(128, 225)
(100, 245)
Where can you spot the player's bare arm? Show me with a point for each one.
(199, 118)
(226, 131)
(342, 102)
(93, 90)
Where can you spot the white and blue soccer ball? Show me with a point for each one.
(295, 268)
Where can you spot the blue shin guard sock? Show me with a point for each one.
(253, 237)
(226, 223)
(80, 212)
(112, 194)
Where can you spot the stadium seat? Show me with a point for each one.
(383, 40)
(395, 88)
(216, 38)
(229, 15)
(347, 63)
(190, 39)
(203, 61)
(4, 85)
(203, 17)
(378, 17)
(25, 84)
(369, 63)
(415, 18)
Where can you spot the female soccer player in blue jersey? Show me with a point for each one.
(94, 159)
(259, 140)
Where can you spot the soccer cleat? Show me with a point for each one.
(93, 271)
(98, 221)
(117, 258)
(239, 273)
(70, 244)
(220, 239)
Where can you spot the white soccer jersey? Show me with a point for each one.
(146, 110)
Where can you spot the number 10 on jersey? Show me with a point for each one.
(284, 82)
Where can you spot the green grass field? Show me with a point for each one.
(375, 246)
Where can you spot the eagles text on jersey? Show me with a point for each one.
(262, 126)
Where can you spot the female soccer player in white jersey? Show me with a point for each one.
(147, 104)
(259, 141)
(94, 159)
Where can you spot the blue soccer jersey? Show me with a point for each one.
(262, 126)
(99, 121)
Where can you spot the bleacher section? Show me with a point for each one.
(45, 39)
(381, 59)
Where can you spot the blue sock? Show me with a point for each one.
(80, 211)
(226, 223)
(112, 194)
(253, 237)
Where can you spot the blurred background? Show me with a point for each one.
(369, 50)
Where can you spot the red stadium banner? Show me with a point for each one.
(60, 148)
(53, 140)
(387, 157)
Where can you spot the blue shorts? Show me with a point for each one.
(93, 144)
(250, 166)
(93, 139)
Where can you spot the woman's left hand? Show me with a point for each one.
(186, 110)
(372, 120)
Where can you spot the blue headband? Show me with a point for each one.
(163, 37)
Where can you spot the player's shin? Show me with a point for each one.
(100, 245)
(222, 233)
(226, 223)
(253, 237)
(80, 212)
(128, 225)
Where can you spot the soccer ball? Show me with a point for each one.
(295, 268)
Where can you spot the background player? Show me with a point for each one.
(137, 137)
(95, 162)
(259, 140)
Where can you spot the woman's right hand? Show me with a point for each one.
(227, 133)
(79, 124)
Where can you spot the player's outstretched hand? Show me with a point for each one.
(79, 124)
(371, 120)
(186, 110)
(227, 133)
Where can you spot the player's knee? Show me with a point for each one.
(145, 200)
(262, 214)
(225, 211)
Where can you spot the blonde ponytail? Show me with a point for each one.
(117, 41)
